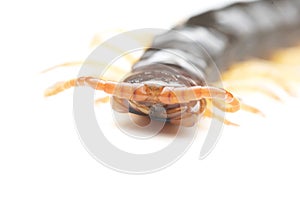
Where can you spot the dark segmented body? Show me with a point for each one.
(169, 82)
(185, 55)
(233, 33)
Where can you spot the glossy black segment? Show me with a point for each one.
(221, 37)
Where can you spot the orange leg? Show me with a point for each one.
(253, 85)
(210, 114)
(113, 72)
(251, 109)
(280, 75)
(102, 100)
(288, 56)
(144, 41)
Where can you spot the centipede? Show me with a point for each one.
(162, 86)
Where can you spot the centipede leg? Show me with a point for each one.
(98, 38)
(288, 57)
(263, 70)
(251, 109)
(144, 40)
(112, 71)
(252, 85)
(102, 100)
(70, 64)
(211, 114)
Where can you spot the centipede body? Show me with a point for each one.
(234, 33)
(160, 80)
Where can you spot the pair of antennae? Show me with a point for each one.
(222, 99)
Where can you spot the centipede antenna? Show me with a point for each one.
(95, 83)
(222, 99)
(121, 90)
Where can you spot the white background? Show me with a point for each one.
(41, 154)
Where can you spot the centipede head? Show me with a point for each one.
(152, 97)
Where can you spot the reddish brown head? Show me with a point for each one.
(156, 95)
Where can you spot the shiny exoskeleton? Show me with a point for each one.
(170, 80)
(227, 35)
